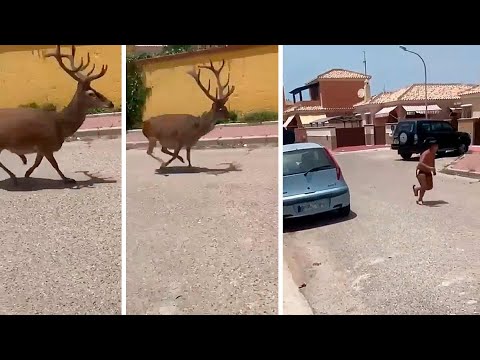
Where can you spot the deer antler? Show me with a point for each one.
(75, 71)
(220, 94)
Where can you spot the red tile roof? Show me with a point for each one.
(314, 108)
(475, 90)
(416, 92)
(339, 74)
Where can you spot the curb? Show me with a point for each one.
(219, 142)
(100, 132)
(294, 303)
(104, 114)
(462, 173)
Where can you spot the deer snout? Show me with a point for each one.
(109, 105)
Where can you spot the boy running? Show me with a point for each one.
(425, 169)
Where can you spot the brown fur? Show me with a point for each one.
(28, 131)
(176, 131)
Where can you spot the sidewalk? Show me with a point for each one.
(98, 125)
(222, 136)
(294, 303)
(467, 165)
(360, 148)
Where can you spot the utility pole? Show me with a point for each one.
(365, 62)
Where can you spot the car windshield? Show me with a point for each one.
(301, 161)
(403, 126)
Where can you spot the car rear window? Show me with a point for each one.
(301, 161)
(403, 126)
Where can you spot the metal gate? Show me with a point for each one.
(350, 136)
(380, 137)
(476, 133)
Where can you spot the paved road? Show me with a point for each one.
(203, 242)
(60, 248)
(392, 256)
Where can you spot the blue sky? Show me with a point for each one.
(390, 67)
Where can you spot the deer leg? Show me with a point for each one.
(188, 157)
(174, 156)
(38, 160)
(151, 145)
(54, 163)
(24, 159)
(12, 175)
(168, 152)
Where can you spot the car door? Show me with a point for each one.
(437, 131)
(449, 135)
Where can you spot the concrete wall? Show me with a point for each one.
(253, 71)
(340, 93)
(27, 77)
(325, 136)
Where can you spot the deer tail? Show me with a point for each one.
(146, 129)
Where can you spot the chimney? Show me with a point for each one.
(366, 89)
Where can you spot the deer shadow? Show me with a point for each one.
(434, 203)
(176, 170)
(37, 184)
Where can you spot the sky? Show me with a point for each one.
(390, 67)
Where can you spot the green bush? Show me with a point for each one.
(137, 92)
(34, 105)
(104, 110)
(259, 116)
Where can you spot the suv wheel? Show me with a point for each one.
(462, 149)
(406, 156)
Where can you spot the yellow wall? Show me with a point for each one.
(26, 77)
(253, 71)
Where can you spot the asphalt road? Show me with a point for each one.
(204, 241)
(391, 256)
(60, 248)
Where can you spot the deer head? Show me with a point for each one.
(218, 110)
(86, 96)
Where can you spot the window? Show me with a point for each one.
(467, 111)
(446, 127)
(436, 126)
(300, 161)
(403, 126)
(426, 127)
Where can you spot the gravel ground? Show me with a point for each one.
(392, 256)
(204, 241)
(61, 245)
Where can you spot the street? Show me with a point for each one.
(391, 256)
(60, 249)
(203, 240)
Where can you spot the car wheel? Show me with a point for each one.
(345, 211)
(406, 156)
(462, 149)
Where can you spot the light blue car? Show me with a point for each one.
(312, 182)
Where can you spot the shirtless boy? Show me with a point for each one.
(425, 169)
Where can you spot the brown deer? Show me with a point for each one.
(27, 131)
(175, 131)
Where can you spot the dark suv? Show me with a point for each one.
(409, 137)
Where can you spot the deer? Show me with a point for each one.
(175, 131)
(35, 131)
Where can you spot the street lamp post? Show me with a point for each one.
(425, 68)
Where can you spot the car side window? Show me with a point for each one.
(436, 126)
(446, 127)
(425, 127)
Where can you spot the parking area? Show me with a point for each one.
(60, 251)
(203, 240)
(391, 256)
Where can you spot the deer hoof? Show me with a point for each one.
(181, 159)
(69, 181)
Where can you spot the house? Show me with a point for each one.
(332, 94)
(443, 102)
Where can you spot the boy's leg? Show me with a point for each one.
(422, 179)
